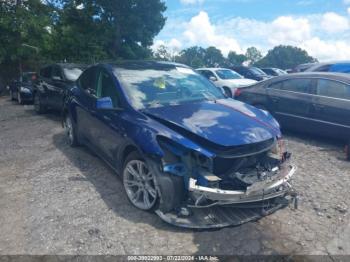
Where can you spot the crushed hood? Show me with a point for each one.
(226, 122)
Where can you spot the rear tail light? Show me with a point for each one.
(237, 92)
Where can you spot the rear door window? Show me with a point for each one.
(330, 88)
(46, 72)
(57, 73)
(277, 85)
(297, 85)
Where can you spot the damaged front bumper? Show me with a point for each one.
(217, 208)
(263, 190)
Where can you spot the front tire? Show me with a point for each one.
(139, 183)
(38, 105)
(70, 131)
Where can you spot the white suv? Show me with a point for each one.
(226, 79)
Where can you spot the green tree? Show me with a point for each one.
(213, 57)
(162, 53)
(253, 54)
(25, 31)
(103, 29)
(235, 59)
(285, 57)
(192, 56)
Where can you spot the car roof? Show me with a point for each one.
(145, 64)
(213, 68)
(331, 76)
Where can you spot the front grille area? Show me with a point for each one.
(225, 166)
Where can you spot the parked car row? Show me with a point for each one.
(183, 149)
(317, 103)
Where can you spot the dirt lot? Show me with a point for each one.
(59, 200)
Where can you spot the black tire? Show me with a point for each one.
(228, 91)
(71, 131)
(135, 156)
(38, 105)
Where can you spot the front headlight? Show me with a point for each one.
(24, 90)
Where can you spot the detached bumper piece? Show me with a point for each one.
(225, 216)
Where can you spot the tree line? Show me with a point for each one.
(41, 31)
(284, 57)
(35, 32)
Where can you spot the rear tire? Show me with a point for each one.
(228, 91)
(70, 131)
(38, 106)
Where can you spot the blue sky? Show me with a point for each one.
(322, 27)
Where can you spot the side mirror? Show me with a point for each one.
(56, 78)
(213, 78)
(104, 103)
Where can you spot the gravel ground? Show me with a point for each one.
(58, 200)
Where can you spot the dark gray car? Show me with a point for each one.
(52, 84)
(310, 102)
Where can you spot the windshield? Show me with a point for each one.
(228, 74)
(257, 71)
(171, 86)
(72, 73)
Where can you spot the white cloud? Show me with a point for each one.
(348, 10)
(286, 29)
(191, 2)
(334, 23)
(200, 31)
(324, 36)
(327, 50)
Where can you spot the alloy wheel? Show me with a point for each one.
(139, 185)
(69, 129)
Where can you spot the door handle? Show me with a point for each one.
(275, 100)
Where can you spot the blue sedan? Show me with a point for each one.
(183, 149)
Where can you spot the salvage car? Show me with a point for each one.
(22, 88)
(53, 82)
(316, 103)
(184, 150)
(225, 79)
